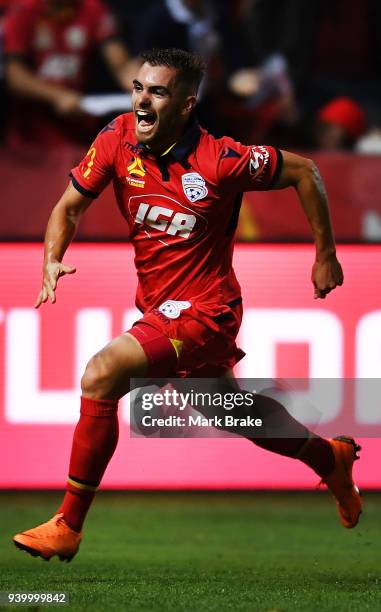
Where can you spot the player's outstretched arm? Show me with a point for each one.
(302, 174)
(60, 231)
(25, 83)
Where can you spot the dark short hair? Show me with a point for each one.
(190, 66)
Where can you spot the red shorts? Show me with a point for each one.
(186, 339)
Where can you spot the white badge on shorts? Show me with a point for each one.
(172, 309)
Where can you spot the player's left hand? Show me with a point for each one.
(326, 275)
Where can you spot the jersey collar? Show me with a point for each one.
(188, 142)
(182, 149)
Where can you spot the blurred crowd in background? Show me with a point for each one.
(286, 72)
(297, 74)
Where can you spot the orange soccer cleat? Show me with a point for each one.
(52, 538)
(340, 481)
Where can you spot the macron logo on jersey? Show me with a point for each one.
(229, 152)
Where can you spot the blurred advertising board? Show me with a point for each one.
(285, 333)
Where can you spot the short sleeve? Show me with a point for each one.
(17, 27)
(96, 169)
(247, 168)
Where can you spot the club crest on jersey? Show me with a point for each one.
(194, 186)
(172, 309)
(76, 37)
(43, 39)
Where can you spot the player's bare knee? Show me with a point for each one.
(98, 379)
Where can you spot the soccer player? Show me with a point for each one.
(48, 45)
(179, 190)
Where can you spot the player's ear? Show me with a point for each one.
(189, 104)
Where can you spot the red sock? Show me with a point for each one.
(317, 453)
(298, 442)
(314, 451)
(94, 442)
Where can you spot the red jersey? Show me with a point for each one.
(56, 50)
(181, 207)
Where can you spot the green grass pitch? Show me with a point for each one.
(203, 551)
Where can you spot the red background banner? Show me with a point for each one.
(32, 183)
(285, 332)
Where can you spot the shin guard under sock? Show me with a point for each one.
(94, 442)
(294, 440)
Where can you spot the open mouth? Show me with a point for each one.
(145, 119)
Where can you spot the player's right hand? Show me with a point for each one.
(52, 272)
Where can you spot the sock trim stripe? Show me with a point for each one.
(91, 483)
(80, 485)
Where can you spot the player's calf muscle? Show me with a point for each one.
(107, 374)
